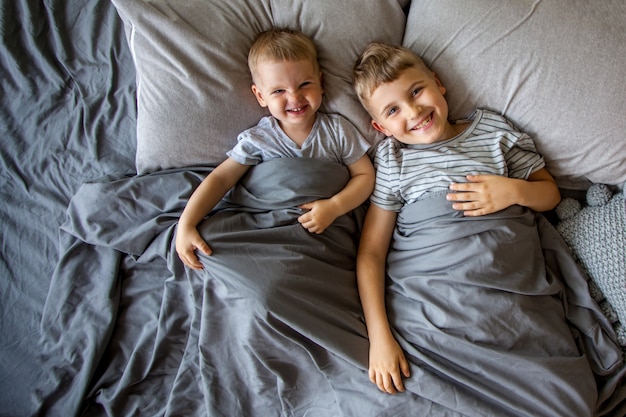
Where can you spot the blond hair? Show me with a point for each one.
(379, 64)
(281, 44)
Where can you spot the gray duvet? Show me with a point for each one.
(496, 304)
(273, 327)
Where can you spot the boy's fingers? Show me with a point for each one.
(397, 382)
(385, 383)
(191, 263)
(389, 384)
(204, 248)
(198, 244)
(406, 370)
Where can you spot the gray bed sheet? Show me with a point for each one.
(99, 318)
(67, 115)
(496, 303)
(273, 324)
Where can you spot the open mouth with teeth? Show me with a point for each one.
(424, 123)
(297, 110)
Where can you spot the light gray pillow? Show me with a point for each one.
(556, 69)
(193, 84)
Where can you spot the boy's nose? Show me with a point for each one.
(294, 95)
(416, 110)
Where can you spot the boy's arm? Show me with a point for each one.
(210, 191)
(485, 194)
(387, 363)
(323, 212)
(359, 188)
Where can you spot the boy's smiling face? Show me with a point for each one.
(412, 108)
(292, 91)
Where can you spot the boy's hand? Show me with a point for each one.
(320, 215)
(187, 241)
(483, 194)
(388, 365)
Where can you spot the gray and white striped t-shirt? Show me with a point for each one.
(490, 145)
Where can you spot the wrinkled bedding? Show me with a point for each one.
(98, 317)
(496, 304)
(273, 325)
(67, 115)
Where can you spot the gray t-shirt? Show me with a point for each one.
(332, 138)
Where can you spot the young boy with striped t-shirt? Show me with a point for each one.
(482, 164)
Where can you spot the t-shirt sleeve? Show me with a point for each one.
(522, 157)
(353, 144)
(386, 195)
(246, 151)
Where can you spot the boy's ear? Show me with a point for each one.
(258, 95)
(442, 88)
(379, 127)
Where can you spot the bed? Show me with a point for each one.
(114, 111)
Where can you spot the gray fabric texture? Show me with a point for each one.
(120, 320)
(541, 63)
(193, 83)
(273, 324)
(483, 300)
(597, 236)
(67, 115)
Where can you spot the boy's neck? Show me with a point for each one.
(298, 133)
